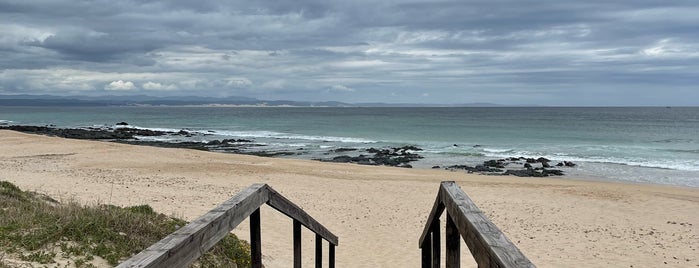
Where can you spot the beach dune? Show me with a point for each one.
(377, 212)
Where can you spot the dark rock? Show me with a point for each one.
(71, 133)
(531, 160)
(545, 164)
(539, 172)
(542, 160)
(122, 124)
(482, 168)
(569, 164)
(410, 147)
(464, 167)
(342, 159)
(527, 165)
(269, 154)
(436, 167)
(185, 145)
(494, 163)
(524, 173)
(236, 141)
(140, 132)
(214, 142)
(340, 150)
(477, 146)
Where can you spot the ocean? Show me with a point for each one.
(657, 145)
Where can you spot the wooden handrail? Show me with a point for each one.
(188, 243)
(488, 245)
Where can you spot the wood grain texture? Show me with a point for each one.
(331, 255)
(453, 242)
(185, 245)
(297, 244)
(436, 243)
(255, 240)
(436, 211)
(427, 252)
(283, 205)
(319, 251)
(488, 245)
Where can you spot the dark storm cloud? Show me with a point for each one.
(512, 52)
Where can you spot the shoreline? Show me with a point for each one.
(448, 137)
(587, 223)
(401, 156)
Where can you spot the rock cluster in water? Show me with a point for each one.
(394, 156)
(521, 167)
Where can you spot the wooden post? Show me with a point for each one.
(319, 251)
(331, 255)
(427, 251)
(435, 243)
(297, 244)
(453, 244)
(255, 240)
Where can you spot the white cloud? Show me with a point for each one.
(340, 88)
(238, 82)
(120, 85)
(158, 86)
(274, 84)
(668, 48)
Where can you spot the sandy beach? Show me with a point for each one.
(377, 212)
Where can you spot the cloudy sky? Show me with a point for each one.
(634, 52)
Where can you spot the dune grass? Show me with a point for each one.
(36, 228)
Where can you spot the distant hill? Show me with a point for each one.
(145, 100)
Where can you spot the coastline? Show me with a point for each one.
(378, 212)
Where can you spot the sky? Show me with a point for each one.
(519, 52)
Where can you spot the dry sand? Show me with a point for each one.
(377, 212)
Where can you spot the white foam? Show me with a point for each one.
(155, 138)
(489, 150)
(289, 136)
(675, 164)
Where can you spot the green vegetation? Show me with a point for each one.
(36, 228)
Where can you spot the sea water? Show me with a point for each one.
(645, 144)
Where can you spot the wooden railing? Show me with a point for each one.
(185, 245)
(488, 245)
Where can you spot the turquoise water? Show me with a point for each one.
(650, 145)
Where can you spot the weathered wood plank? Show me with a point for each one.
(185, 245)
(319, 251)
(297, 244)
(283, 205)
(436, 244)
(255, 240)
(453, 242)
(427, 252)
(489, 246)
(331, 255)
(436, 211)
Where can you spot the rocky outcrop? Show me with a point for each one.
(530, 172)
(72, 133)
(395, 157)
